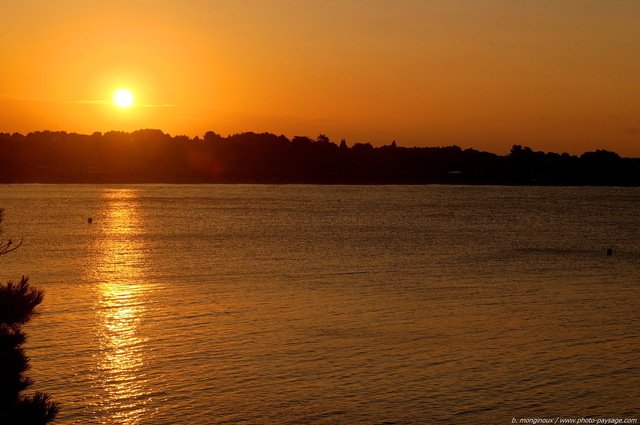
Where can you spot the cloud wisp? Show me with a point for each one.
(81, 102)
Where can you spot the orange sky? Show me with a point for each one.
(556, 75)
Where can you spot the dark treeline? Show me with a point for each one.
(151, 156)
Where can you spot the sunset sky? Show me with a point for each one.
(556, 75)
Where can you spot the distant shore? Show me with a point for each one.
(151, 156)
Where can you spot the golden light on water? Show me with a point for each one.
(121, 306)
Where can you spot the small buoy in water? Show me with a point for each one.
(609, 251)
(89, 220)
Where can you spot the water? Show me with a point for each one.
(330, 304)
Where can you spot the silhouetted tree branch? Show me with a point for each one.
(17, 306)
(9, 245)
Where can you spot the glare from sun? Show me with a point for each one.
(123, 98)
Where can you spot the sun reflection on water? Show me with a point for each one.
(119, 274)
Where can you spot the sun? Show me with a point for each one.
(123, 98)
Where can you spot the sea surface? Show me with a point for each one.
(258, 304)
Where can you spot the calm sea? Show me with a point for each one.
(255, 304)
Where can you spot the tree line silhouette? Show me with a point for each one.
(151, 156)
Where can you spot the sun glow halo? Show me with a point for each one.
(123, 98)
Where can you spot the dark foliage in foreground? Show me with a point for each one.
(17, 306)
(151, 156)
